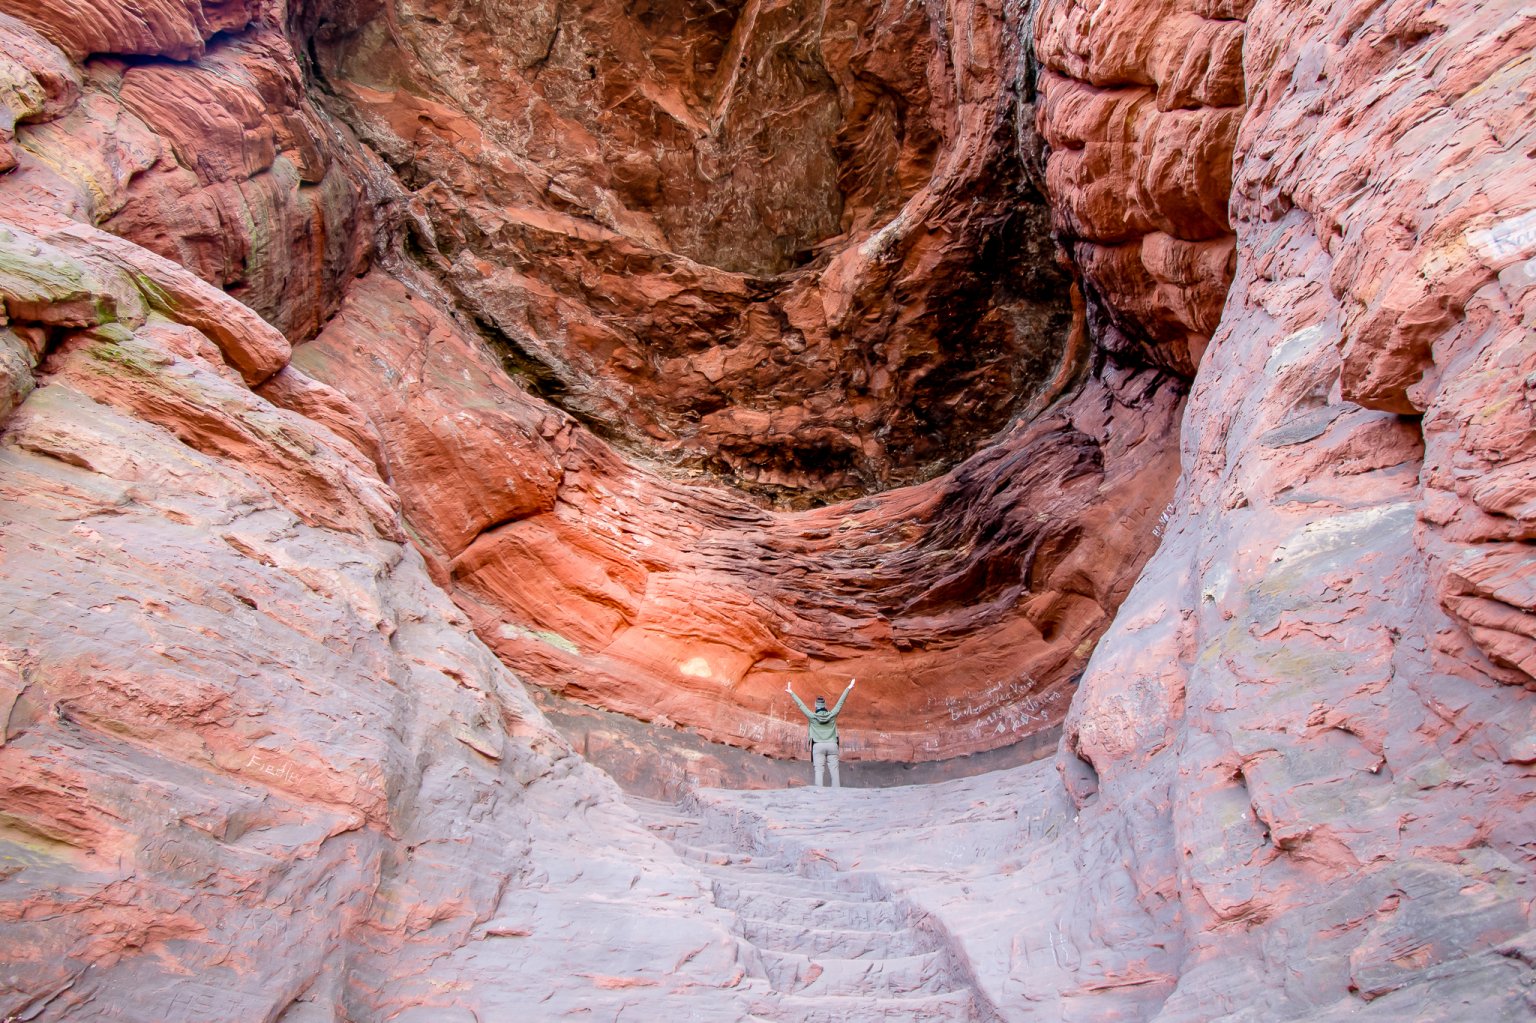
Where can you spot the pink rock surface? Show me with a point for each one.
(254, 765)
(222, 165)
(1321, 781)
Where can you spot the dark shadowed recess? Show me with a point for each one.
(737, 142)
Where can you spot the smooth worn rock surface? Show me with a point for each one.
(1310, 752)
(254, 764)
(1060, 912)
(831, 944)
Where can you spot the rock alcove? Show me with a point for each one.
(383, 380)
(802, 253)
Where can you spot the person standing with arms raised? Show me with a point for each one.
(824, 743)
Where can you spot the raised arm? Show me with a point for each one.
(840, 699)
(788, 688)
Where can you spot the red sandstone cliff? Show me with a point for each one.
(918, 320)
(924, 310)
(346, 344)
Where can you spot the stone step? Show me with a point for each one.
(814, 911)
(762, 866)
(657, 809)
(729, 881)
(927, 973)
(950, 1007)
(680, 834)
(735, 864)
(718, 857)
(672, 830)
(779, 936)
(829, 949)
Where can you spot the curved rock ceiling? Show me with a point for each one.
(793, 248)
(872, 293)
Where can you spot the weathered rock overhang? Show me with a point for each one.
(947, 466)
(879, 415)
(950, 411)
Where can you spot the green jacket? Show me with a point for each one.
(823, 722)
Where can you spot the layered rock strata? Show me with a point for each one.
(1309, 728)
(786, 244)
(254, 714)
(1139, 109)
(254, 765)
(241, 710)
(932, 313)
(690, 605)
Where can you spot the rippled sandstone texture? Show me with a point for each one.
(628, 201)
(1140, 109)
(240, 711)
(1310, 722)
(254, 764)
(255, 716)
(964, 606)
(1296, 781)
(929, 310)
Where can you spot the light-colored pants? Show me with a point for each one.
(824, 755)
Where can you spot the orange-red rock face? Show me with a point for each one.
(220, 164)
(1140, 106)
(925, 310)
(963, 606)
(791, 246)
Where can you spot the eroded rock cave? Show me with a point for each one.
(408, 405)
